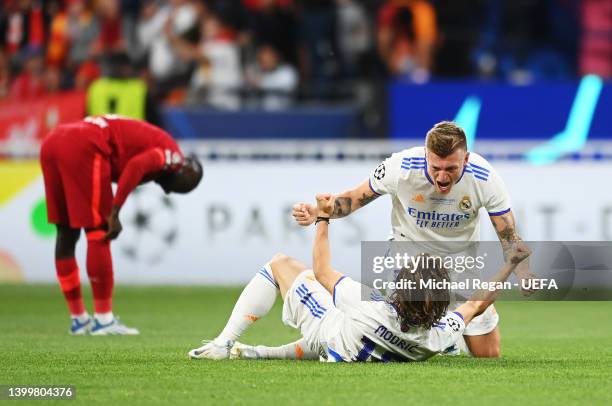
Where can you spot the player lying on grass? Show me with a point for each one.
(79, 161)
(327, 308)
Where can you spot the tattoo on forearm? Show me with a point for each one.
(342, 207)
(506, 231)
(507, 235)
(365, 199)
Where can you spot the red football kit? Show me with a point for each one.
(80, 160)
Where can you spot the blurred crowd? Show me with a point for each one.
(231, 54)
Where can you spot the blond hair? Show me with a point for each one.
(445, 138)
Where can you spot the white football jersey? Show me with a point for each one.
(369, 330)
(420, 213)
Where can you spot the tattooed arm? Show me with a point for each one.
(505, 227)
(345, 204)
(353, 199)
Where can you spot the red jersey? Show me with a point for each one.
(81, 159)
(138, 151)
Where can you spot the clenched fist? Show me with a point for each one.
(325, 204)
(304, 214)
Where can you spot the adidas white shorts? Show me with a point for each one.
(309, 307)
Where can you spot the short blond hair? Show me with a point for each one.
(445, 138)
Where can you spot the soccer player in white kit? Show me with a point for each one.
(437, 192)
(327, 307)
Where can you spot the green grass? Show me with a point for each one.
(553, 353)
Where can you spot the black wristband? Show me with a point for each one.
(325, 219)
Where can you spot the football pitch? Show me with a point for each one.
(553, 353)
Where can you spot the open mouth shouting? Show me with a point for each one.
(443, 187)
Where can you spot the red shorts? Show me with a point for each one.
(77, 174)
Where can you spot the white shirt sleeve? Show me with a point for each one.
(348, 293)
(497, 199)
(384, 178)
(447, 331)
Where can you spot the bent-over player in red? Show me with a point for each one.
(79, 162)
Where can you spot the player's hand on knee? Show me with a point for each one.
(325, 204)
(114, 226)
(304, 214)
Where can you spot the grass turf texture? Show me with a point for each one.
(553, 353)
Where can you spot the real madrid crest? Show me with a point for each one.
(465, 204)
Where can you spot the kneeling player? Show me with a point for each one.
(335, 322)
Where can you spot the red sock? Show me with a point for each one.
(100, 271)
(70, 283)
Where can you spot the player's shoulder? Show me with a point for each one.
(142, 131)
(479, 167)
(478, 160)
(409, 158)
(450, 324)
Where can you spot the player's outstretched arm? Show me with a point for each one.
(505, 227)
(321, 256)
(483, 298)
(345, 203)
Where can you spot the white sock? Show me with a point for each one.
(81, 318)
(255, 301)
(295, 350)
(104, 318)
